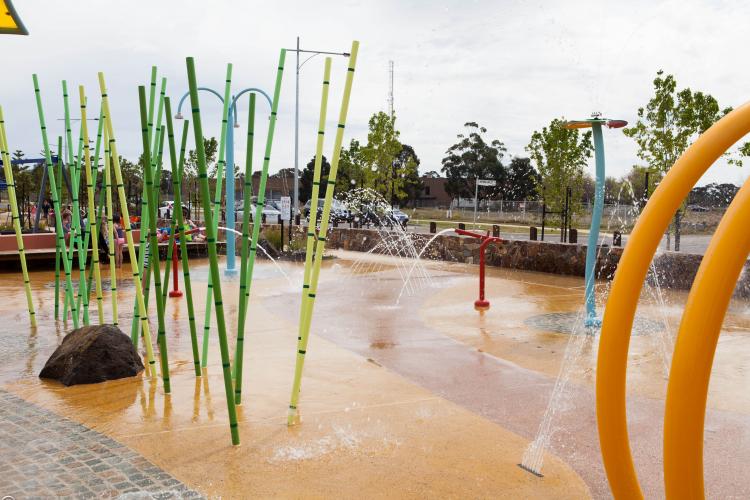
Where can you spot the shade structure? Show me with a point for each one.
(10, 22)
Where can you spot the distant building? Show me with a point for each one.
(433, 194)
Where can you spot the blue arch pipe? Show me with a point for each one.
(231, 268)
(591, 318)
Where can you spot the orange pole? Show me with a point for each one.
(626, 288)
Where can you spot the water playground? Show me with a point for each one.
(370, 361)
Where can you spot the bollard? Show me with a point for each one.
(461, 226)
(433, 227)
(335, 223)
(175, 290)
(532, 233)
(495, 231)
(573, 235)
(617, 239)
(296, 219)
(263, 219)
(281, 223)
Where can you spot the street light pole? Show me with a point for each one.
(229, 157)
(295, 197)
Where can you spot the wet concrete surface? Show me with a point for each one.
(410, 397)
(365, 431)
(496, 366)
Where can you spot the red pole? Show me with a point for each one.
(175, 290)
(481, 304)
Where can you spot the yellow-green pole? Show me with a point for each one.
(90, 195)
(128, 230)
(55, 200)
(212, 254)
(217, 209)
(4, 153)
(110, 230)
(177, 169)
(76, 216)
(321, 239)
(259, 204)
(154, 256)
(311, 226)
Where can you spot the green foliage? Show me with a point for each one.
(273, 236)
(352, 170)
(307, 176)
(670, 122)
(471, 158)
(560, 156)
(521, 181)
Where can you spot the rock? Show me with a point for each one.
(93, 354)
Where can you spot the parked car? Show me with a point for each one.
(339, 212)
(400, 217)
(273, 216)
(169, 206)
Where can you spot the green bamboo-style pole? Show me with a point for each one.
(311, 236)
(90, 195)
(177, 170)
(5, 156)
(321, 240)
(76, 230)
(55, 199)
(217, 209)
(147, 266)
(260, 202)
(154, 256)
(57, 242)
(212, 253)
(72, 233)
(110, 230)
(243, 298)
(143, 247)
(128, 230)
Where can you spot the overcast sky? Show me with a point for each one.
(511, 66)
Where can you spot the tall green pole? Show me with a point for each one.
(217, 208)
(5, 155)
(154, 256)
(177, 169)
(321, 243)
(212, 254)
(92, 204)
(260, 203)
(143, 248)
(128, 230)
(55, 200)
(58, 250)
(243, 298)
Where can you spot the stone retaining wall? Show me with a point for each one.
(674, 270)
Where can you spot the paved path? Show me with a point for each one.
(44, 455)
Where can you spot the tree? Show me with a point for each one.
(471, 158)
(380, 154)
(307, 176)
(353, 171)
(522, 180)
(560, 155)
(671, 121)
(408, 185)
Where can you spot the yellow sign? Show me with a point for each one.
(10, 23)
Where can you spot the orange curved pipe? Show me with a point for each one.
(695, 347)
(626, 289)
